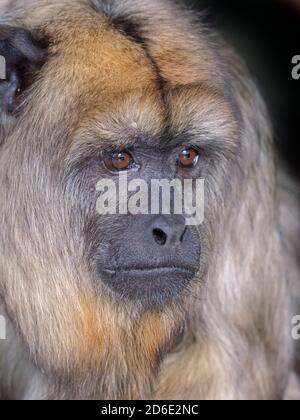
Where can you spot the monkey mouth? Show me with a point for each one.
(149, 286)
(149, 270)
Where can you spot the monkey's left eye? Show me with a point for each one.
(120, 161)
(188, 158)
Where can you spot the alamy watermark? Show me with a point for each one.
(296, 327)
(160, 196)
(296, 68)
(2, 68)
(2, 328)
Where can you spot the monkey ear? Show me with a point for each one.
(21, 57)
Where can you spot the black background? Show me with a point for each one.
(266, 33)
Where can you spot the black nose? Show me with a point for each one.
(168, 232)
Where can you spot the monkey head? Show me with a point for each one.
(91, 94)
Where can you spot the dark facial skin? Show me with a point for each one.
(146, 259)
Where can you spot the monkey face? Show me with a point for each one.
(142, 256)
(148, 259)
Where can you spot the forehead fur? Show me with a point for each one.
(162, 27)
(123, 60)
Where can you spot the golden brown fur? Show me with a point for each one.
(229, 337)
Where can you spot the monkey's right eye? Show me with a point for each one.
(120, 161)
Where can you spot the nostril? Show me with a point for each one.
(183, 234)
(160, 236)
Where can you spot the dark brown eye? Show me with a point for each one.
(119, 161)
(188, 158)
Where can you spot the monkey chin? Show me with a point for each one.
(148, 287)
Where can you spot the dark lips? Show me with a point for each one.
(147, 270)
(149, 286)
